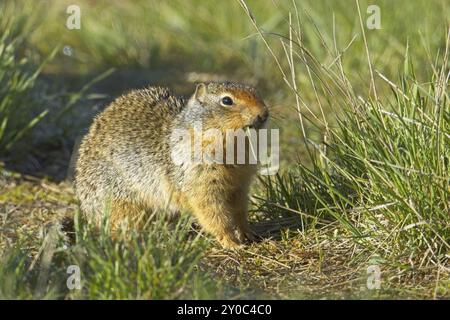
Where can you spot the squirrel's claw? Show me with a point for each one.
(228, 243)
(247, 234)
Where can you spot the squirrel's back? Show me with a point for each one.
(125, 143)
(137, 121)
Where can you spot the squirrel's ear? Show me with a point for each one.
(200, 91)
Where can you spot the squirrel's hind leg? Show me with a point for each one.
(126, 214)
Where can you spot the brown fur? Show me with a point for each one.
(125, 166)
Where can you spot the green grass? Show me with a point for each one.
(26, 100)
(18, 112)
(155, 34)
(365, 134)
(159, 262)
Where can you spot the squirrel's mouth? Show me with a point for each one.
(258, 123)
(253, 126)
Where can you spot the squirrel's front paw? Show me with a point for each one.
(230, 243)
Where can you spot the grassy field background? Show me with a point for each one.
(364, 123)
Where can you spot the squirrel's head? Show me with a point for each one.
(228, 105)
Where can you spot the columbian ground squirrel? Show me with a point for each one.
(129, 162)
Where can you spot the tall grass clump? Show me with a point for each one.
(385, 173)
(18, 74)
(160, 262)
(382, 168)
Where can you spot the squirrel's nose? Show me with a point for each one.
(264, 116)
(260, 119)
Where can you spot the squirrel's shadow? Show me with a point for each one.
(275, 228)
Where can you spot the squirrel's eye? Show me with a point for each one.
(227, 101)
